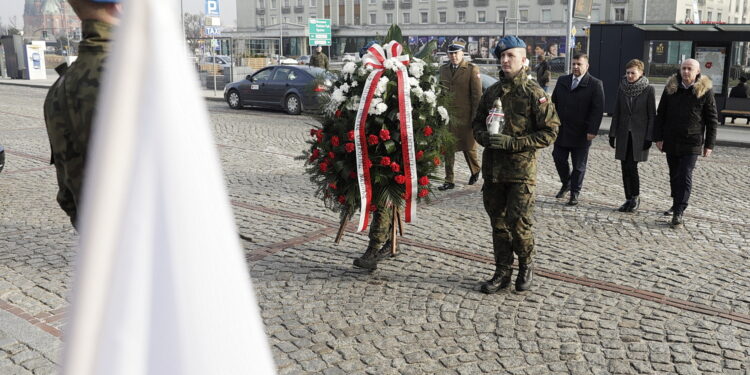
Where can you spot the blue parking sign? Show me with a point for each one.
(212, 8)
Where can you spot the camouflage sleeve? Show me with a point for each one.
(545, 121)
(479, 126)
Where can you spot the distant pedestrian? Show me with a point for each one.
(71, 101)
(739, 91)
(685, 128)
(579, 101)
(542, 71)
(462, 79)
(631, 131)
(319, 59)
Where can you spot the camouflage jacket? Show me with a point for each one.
(69, 111)
(531, 120)
(320, 60)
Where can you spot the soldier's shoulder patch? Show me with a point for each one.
(543, 100)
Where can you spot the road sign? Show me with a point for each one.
(212, 8)
(212, 31)
(319, 31)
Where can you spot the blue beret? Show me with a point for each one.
(508, 42)
(363, 50)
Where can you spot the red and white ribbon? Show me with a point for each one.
(376, 58)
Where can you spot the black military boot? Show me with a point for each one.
(677, 220)
(525, 277)
(370, 259)
(625, 206)
(500, 280)
(573, 199)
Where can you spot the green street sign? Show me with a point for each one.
(319, 31)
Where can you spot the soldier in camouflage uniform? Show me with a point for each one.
(509, 162)
(70, 103)
(379, 247)
(319, 59)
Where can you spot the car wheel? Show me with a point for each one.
(293, 105)
(233, 99)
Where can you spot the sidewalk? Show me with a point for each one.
(734, 135)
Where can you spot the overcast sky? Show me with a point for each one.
(9, 8)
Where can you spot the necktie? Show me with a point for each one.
(454, 67)
(575, 83)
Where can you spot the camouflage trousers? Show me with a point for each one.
(471, 160)
(380, 228)
(510, 207)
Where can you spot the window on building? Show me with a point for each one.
(501, 14)
(342, 13)
(286, 19)
(406, 18)
(442, 17)
(273, 20)
(460, 16)
(286, 3)
(262, 22)
(700, 15)
(595, 15)
(327, 9)
(389, 18)
(300, 3)
(546, 15)
(313, 3)
(357, 12)
(273, 4)
(481, 16)
(424, 17)
(373, 19)
(619, 14)
(372, 1)
(523, 14)
(299, 20)
(708, 16)
(718, 17)
(261, 4)
(687, 14)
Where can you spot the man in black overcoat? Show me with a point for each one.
(579, 101)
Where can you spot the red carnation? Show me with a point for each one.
(352, 174)
(420, 154)
(335, 141)
(427, 131)
(424, 180)
(313, 132)
(342, 199)
(324, 166)
(385, 134)
(373, 208)
(368, 163)
(372, 139)
(395, 167)
(350, 134)
(400, 179)
(436, 161)
(331, 155)
(315, 154)
(385, 160)
(423, 193)
(338, 113)
(332, 185)
(349, 147)
(319, 136)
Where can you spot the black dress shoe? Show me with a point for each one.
(564, 189)
(525, 277)
(473, 179)
(676, 220)
(446, 186)
(669, 212)
(625, 206)
(573, 199)
(635, 202)
(500, 280)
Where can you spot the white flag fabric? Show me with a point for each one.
(161, 286)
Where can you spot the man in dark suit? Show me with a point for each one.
(579, 101)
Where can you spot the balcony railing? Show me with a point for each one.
(260, 11)
(405, 4)
(388, 5)
(481, 3)
(299, 9)
(460, 3)
(286, 10)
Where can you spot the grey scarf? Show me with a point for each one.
(633, 89)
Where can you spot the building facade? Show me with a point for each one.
(542, 23)
(49, 20)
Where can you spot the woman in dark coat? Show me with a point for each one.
(632, 127)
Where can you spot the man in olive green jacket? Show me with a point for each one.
(509, 162)
(71, 101)
(319, 59)
(461, 78)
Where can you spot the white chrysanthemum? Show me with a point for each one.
(344, 88)
(353, 103)
(349, 68)
(443, 113)
(355, 84)
(430, 97)
(416, 69)
(381, 108)
(373, 105)
(362, 71)
(388, 63)
(413, 82)
(382, 84)
(338, 96)
(417, 91)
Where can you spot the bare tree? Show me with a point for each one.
(194, 24)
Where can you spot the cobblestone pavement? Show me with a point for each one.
(616, 293)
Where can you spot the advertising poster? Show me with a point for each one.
(35, 60)
(712, 64)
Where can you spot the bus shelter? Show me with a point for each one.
(721, 49)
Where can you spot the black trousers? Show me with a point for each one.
(630, 179)
(681, 179)
(579, 157)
